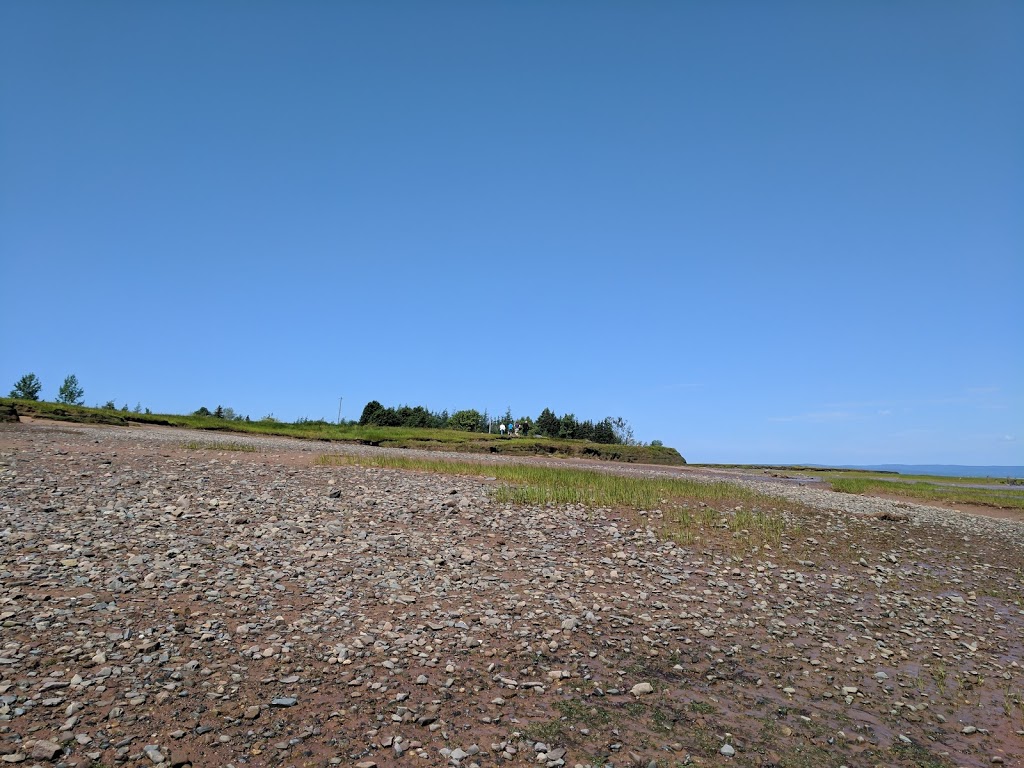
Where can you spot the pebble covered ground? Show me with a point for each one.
(170, 599)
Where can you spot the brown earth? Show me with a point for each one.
(226, 607)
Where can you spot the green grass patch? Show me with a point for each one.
(548, 731)
(579, 711)
(930, 491)
(920, 756)
(531, 484)
(702, 708)
(936, 488)
(538, 485)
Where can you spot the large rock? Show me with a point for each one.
(7, 413)
(45, 750)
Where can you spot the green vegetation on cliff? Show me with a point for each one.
(395, 437)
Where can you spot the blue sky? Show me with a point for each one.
(760, 232)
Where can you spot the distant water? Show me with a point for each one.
(944, 470)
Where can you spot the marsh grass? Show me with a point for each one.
(680, 526)
(746, 522)
(672, 498)
(833, 473)
(927, 491)
(1013, 702)
(940, 674)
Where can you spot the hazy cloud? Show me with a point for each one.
(982, 390)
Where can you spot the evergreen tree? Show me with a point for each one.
(370, 412)
(547, 423)
(603, 432)
(567, 427)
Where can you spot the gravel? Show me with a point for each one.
(171, 606)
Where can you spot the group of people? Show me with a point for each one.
(510, 428)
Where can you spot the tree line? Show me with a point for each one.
(29, 387)
(221, 412)
(611, 430)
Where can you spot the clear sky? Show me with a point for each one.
(760, 232)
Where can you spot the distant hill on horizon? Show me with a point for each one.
(944, 470)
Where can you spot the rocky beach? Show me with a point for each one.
(171, 598)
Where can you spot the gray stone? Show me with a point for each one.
(45, 750)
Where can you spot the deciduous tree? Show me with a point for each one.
(70, 392)
(27, 387)
(470, 420)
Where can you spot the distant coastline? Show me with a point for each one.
(943, 470)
